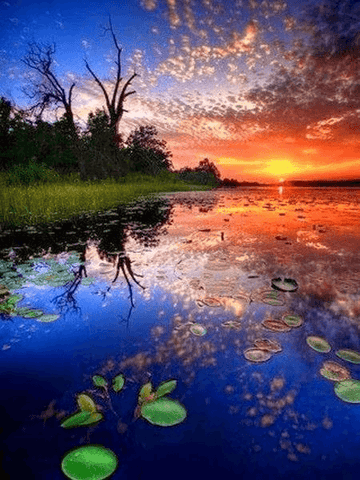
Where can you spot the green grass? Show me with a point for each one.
(68, 197)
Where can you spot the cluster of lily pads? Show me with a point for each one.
(346, 388)
(97, 462)
(8, 307)
(275, 295)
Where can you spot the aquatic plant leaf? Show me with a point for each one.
(198, 330)
(99, 381)
(318, 344)
(269, 297)
(268, 345)
(33, 314)
(118, 383)
(349, 355)
(163, 412)
(257, 355)
(166, 388)
(348, 390)
(232, 324)
(94, 418)
(87, 281)
(211, 302)
(48, 318)
(90, 462)
(14, 299)
(76, 420)
(286, 285)
(334, 371)
(276, 325)
(86, 403)
(293, 320)
(145, 392)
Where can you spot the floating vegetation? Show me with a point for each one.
(8, 305)
(286, 285)
(268, 345)
(276, 325)
(99, 381)
(91, 462)
(118, 383)
(318, 344)
(198, 330)
(158, 410)
(293, 320)
(163, 412)
(334, 371)
(257, 355)
(210, 302)
(349, 355)
(232, 324)
(48, 318)
(268, 296)
(348, 390)
(87, 414)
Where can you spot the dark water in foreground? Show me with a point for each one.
(206, 258)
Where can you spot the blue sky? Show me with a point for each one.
(238, 82)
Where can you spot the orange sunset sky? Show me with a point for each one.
(267, 90)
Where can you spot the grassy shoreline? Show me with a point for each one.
(60, 200)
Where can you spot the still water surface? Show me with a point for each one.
(154, 269)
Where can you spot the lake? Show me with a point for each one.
(248, 298)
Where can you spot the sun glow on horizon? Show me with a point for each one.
(280, 167)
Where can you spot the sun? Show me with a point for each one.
(280, 168)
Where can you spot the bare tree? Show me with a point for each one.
(115, 106)
(48, 89)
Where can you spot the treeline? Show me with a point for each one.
(37, 150)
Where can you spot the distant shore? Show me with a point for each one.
(294, 183)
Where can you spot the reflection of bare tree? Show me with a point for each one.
(125, 263)
(66, 301)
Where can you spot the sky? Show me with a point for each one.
(267, 90)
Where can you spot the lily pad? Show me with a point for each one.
(272, 297)
(118, 383)
(349, 355)
(318, 344)
(94, 418)
(293, 320)
(99, 381)
(267, 345)
(276, 325)
(145, 392)
(91, 462)
(163, 412)
(198, 330)
(166, 388)
(257, 355)
(76, 420)
(334, 371)
(232, 324)
(348, 390)
(286, 285)
(33, 314)
(86, 403)
(48, 318)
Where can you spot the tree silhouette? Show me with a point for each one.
(115, 106)
(48, 90)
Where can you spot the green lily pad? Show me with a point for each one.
(334, 371)
(318, 344)
(198, 330)
(48, 318)
(166, 388)
(14, 299)
(348, 390)
(33, 314)
(163, 412)
(76, 420)
(232, 324)
(145, 392)
(118, 383)
(86, 403)
(286, 285)
(91, 462)
(94, 418)
(271, 297)
(349, 355)
(99, 381)
(293, 320)
(257, 355)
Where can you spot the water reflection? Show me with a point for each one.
(204, 263)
